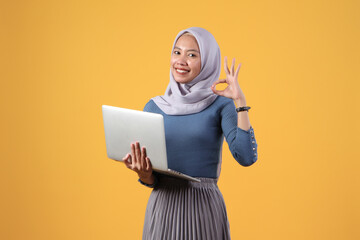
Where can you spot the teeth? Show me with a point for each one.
(181, 71)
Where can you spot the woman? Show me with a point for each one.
(197, 116)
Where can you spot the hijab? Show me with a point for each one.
(195, 96)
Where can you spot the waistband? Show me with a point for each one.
(168, 181)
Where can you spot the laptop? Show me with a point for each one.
(124, 126)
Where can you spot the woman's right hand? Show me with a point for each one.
(140, 163)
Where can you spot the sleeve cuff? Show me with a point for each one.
(249, 140)
(149, 185)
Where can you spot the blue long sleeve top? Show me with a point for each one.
(194, 141)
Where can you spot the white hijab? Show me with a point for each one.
(195, 96)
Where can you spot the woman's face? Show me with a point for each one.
(185, 59)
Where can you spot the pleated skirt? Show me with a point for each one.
(179, 209)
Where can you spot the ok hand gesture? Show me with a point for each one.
(139, 163)
(233, 90)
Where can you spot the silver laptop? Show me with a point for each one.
(124, 126)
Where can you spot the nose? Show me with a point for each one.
(181, 60)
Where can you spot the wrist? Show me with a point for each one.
(240, 102)
(148, 180)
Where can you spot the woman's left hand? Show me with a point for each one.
(233, 89)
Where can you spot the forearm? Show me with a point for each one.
(243, 120)
(239, 133)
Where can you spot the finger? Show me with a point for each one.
(126, 157)
(218, 92)
(148, 164)
(237, 71)
(127, 161)
(137, 154)
(218, 81)
(143, 156)
(213, 87)
(133, 157)
(233, 66)
(226, 66)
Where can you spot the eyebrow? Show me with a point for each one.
(188, 50)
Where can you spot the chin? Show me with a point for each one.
(184, 81)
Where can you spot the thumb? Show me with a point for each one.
(218, 92)
(126, 160)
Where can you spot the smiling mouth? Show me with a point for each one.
(181, 71)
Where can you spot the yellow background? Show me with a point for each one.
(61, 60)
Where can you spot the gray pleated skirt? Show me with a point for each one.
(178, 209)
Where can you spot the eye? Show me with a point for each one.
(192, 55)
(176, 52)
